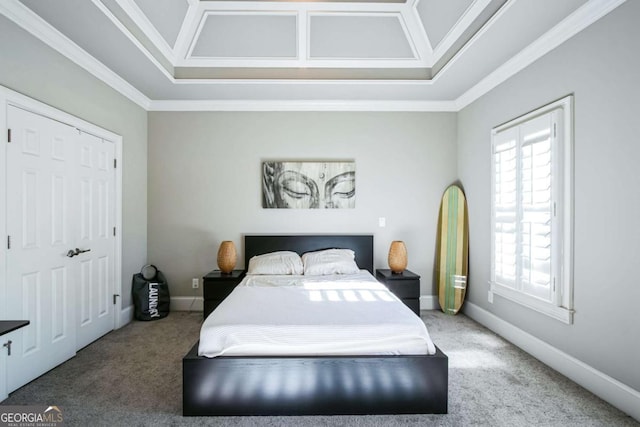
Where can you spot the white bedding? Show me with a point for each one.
(319, 315)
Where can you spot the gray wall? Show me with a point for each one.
(30, 67)
(205, 182)
(600, 66)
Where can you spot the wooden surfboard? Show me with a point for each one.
(452, 251)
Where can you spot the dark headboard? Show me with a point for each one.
(362, 245)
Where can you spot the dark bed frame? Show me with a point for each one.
(318, 385)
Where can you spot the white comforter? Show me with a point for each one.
(313, 315)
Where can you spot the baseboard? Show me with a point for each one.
(177, 304)
(429, 302)
(607, 388)
(187, 304)
(126, 316)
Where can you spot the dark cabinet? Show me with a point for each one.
(216, 286)
(405, 285)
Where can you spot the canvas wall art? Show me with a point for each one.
(308, 185)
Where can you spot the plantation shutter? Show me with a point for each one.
(536, 207)
(505, 196)
(523, 207)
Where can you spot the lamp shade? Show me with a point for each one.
(227, 256)
(397, 256)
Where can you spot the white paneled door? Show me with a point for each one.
(60, 272)
(95, 210)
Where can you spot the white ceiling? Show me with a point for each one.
(418, 55)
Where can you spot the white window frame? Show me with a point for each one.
(561, 305)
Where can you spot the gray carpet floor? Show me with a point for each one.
(132, 377)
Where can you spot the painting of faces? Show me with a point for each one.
(309, 185)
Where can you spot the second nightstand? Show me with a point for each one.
(405, 285)
(217, 286)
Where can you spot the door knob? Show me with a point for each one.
(77, 251)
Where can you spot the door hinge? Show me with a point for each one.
(115, 296)
(554, 130)
(8, 347)
(8, 242)
(114, 231)
(115, 163)
(8, 135)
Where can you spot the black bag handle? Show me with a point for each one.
(147, 270)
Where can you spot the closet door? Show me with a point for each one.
(95, 182)
(60, 219)
(40, 286)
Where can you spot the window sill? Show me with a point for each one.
(562, 314)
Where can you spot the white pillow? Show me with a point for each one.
(281, 262)
(329, 261)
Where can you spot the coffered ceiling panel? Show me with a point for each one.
(418, 54)
(247, 35)
(359, 35)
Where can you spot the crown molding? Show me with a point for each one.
(132, 9)
(308, 105)
(474, 10)
(477, 36)
(563, 31)
(31, 22)
(125, 31)
(586, 15)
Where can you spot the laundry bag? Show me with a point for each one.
(150, 293)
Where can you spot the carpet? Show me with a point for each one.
(133, 377)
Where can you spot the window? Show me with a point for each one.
(531, 220)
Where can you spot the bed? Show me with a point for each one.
(328, 384)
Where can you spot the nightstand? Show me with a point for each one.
(216, 286)
(405, 285)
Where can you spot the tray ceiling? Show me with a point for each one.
(421, 51)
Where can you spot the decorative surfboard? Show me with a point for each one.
(452, 251)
